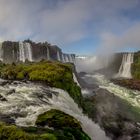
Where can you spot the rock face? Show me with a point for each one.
(21, 51)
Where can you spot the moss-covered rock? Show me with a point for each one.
(11, 132)
(57, 119)
(54, 74)
(68, 125)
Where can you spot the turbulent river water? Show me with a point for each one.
(132, 96)
(23, 102)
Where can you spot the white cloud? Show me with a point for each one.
(64, 21)
(128, 39)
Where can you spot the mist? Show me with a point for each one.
(93, 63)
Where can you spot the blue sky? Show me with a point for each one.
(76, 26)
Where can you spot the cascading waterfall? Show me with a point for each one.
(29, 100)
(28, 51)
(21, 52)
(70, 58)
(48, 54)
(63, 58)
(25, 52)
(67, 58)
(58, 56)
(1, 52)
(125, 68)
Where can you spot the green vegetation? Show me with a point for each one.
(62, 121)
(11, 132)
(54, 74)
(65, 127)
(136, 66)
(57, 119)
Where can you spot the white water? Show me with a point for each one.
(132, 96)
(58, 56)
(1, 52)
(25, 52)
(31, 100)
(66, 58)
(75, 80)
(48, 53)
(63, 58)
(125, 68)
(70, 58)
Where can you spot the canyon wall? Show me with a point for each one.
(27, 50)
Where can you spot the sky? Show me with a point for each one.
(76, 26)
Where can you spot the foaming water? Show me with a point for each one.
(132, 96)
(125, 68)
(27, 101)
(25, 52)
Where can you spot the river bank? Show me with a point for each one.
(128, 83)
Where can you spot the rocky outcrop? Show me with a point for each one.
(27, 50)
(128, 83)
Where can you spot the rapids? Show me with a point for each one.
(25, 101)
(132, 96)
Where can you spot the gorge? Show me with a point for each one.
(41, 87)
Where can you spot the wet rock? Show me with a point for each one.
(48, 93)
(11, 92)
(18, 114)
(128, 83)
(124, 138)
(2, 98)
(7, 119)
(4, 82)
(136, 137)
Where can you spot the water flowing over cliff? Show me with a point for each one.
(23, 102)
(125, 68)
(31, 51)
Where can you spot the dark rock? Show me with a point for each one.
(136, 137)
(128, 83)
(2, 98)
(11, 92)
(6, 119)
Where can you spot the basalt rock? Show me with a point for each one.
(30, 51)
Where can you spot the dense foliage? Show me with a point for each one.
(11, 132)
(136, 66)
(54, 74)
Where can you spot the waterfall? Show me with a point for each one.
(25, 52)
(125, 68)
(28, 52)
(29, 100)
(67, 58)
(21, 52)
(1, 52)
(70, 58)
(63, 59)
(48, 53)
(58, 56)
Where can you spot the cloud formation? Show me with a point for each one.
(128, 39)
(67, 21)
